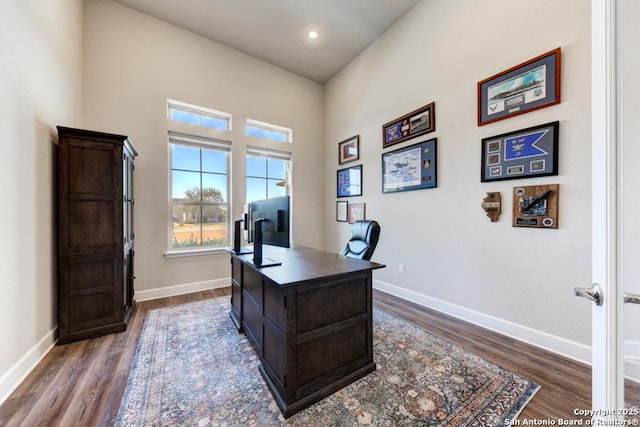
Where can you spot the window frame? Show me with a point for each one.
(268, 127)
(202, 112)
(201, 143)
(273, 154)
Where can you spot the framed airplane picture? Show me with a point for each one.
(526, 87)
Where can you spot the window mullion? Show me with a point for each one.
(201, 226)
(201, 201)
(266, 180)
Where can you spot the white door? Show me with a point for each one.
(615, 208)
(629, 200)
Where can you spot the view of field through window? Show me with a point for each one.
(199, 197)
(200, 205)
(200, 210)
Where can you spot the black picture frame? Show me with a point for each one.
(410, 168)
(349, 181)
(411, 125)
(526, 153)
(529, 86)
(349, 150)
(342, 211)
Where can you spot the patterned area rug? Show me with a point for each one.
(193, 368)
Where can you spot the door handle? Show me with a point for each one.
(631, 298)
(594, 293)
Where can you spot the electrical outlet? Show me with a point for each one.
(401, 268)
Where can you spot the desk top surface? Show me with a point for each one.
(300, 264)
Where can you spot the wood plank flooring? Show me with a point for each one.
(81, 384)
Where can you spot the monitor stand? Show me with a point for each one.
(237, 249)
(257, 247)
(244, 250)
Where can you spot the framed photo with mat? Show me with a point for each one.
(526, 87)
(411, 125)
(349, 150)
(356, 212)
(526, 153)
(341, 211)
(410, 168)
(349, 181)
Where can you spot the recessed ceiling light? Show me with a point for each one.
(313, 34)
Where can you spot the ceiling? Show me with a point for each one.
(276, 30)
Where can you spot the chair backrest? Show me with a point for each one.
(364, 238)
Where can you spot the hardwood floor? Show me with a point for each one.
(81, 384)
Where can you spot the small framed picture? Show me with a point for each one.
(341, 211)
(349, 150)
(349, 181)
(356, 212)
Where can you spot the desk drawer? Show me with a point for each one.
(274, 304)
(252, 284)
(341, 299)
(252, 322)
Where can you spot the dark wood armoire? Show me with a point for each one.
(95, 233)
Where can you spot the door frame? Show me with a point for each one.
(607, 342)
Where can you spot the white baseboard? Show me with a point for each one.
(185, 288)
(632, 360)
(561, 346)
(11, 379)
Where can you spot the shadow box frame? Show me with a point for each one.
(515, 155)
(409, 126)
(537, 84)
(417, 167)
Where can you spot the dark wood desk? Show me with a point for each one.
(309, 320)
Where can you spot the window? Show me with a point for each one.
(268, 174)
(268, 131)
(196, 115)
(199, 201)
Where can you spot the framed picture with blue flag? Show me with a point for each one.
(526, 153)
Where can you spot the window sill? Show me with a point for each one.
(194, 252)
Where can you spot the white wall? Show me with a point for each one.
(40, 87)
(516, 280)
(133, 63)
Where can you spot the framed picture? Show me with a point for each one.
(410, 168)
(526, 153)
(526, 87)
(349, 181)
(349, 150)
(341, 211)
(416, 123)
(356, 212)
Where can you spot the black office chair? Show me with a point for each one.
(364, 238)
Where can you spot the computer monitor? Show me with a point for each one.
(275, 214)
